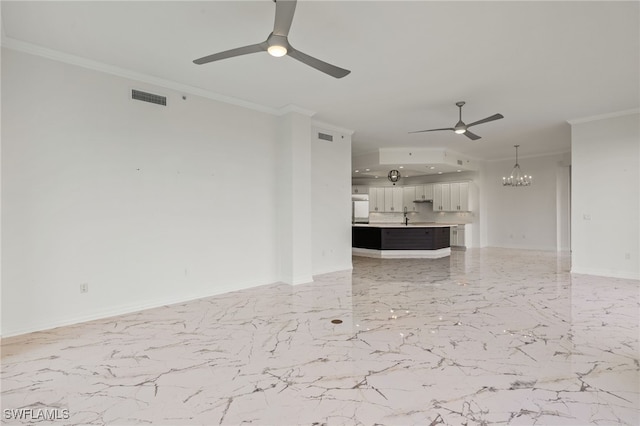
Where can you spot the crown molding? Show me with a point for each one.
(56, 55)
(331, 127)
(294, 108)
(603, 116)
(33, 49)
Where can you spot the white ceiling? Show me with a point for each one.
(537, 63)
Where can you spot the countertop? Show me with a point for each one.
(402, 225)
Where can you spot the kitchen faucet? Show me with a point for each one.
(406, 218)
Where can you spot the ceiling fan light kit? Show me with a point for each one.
(516, 178)
(463, 129)
(277, 44)
(277, 50)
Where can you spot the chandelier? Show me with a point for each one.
(516, 178)
(394, 176)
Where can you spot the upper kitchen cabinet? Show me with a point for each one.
(393, 199)
(424, 192)
(451, 197)
(376, 200)
(442, 197)
(460, 196)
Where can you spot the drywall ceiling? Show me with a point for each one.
(537, 63)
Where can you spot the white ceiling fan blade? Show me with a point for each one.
(284, 16)
(486, 120)
(245, 50)
(326, 68)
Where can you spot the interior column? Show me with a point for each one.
(294, 198)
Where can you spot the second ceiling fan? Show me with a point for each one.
(461, 127)
(277, 44)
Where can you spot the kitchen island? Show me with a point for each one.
(400, 241)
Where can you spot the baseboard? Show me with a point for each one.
(611, 273)
(128, 309)
(346, 267)
(402, 254)
(514, 247)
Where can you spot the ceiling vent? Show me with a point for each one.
(459, 162)
(148, 97)
(325, 137)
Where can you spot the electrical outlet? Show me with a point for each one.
(586, 216)
(84, 288)
(627, 256)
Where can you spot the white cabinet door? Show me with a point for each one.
(373, 199)
(388, 200)
(397, 204)
(408, 197)
(376, 200)
(464, 196)
(442, 197)
(424, 192)
(446, 197)
(428, 191)
(455, 196)
(437, 197)
(460, 196)
(462, 241)
(457, 236)
(393, 199)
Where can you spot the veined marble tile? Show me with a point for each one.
(484, 336)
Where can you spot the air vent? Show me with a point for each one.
(148, 97)
(459, 162)
(325, 137)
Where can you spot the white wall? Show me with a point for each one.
(147, 204)
(331, 202)
(524, 217)
(605, 196)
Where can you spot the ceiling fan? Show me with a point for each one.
(277, 44)
(461, 128)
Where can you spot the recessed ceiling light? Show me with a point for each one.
(367, 170)
(401, 167)
(357, 171)
(431, 167)
(439, 173)
(459, 171)
(376, 177)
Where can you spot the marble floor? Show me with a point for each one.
(481, 337)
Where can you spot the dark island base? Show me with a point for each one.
(397, 242)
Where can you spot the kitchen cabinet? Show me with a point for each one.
(451, 197)
(457, 236)
(408, 198)
(376, 200)
(446, 196)
(359, 189)
(393, 199)
(442, 197)
(424, 192)
(460, 196)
